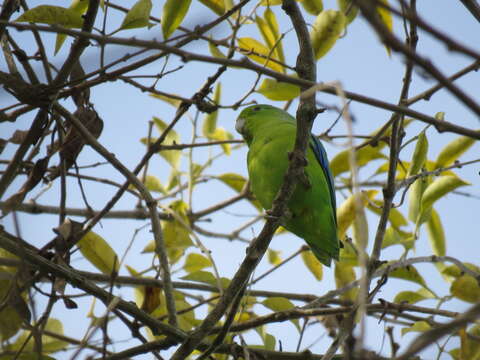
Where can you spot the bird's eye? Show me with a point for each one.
(256, 108)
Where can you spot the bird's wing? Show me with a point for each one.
(321, 156)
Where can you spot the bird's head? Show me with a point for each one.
(252, 117)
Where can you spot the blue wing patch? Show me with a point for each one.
(321, 156)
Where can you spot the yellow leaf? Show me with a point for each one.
(274, 257)
(206, 277)
(50, 344)
(259, 53)
(268, 27)
(453, 150)
(360, 229)
(215, 51)
(395, 217)
(313, 7)
(415, 197)
(412, 297)
(172, 156)
(270, 2)
(175, 232)
(327, 28)
(173, 13)
(52, 15)
(99, 253)
(386, 19)
(345, 274)
(466, 288)
(408, 273)
(346, 212)
(237, 183)
(210, 121)
(152, 183)
(138, 15)
(217, 6)
(11, 322)
(419, 326)
(395, 236)
(278, 91)
(312, 263)
(341, 162)
(169, 100)
(271, 20)
(419, 155)
(77, 6)
(349, 9)
(196, 262)
(220, 134)
(436, 190)
(436, 235)
(280, 304)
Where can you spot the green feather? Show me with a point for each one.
(270, 135)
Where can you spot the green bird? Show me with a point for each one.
(270, 135)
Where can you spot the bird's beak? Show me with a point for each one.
(239, 124)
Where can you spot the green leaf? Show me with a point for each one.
(99, 253)
(52, 15)
(453, 150)
(278, 91)
(138, 15)
(419, 154)
(172, 16)
(349, 9)
(413, 297)
(251, 47)
(436, 190)
(419, 326)
(327, 28)
(206, 277)
(277, 303)
(341, 162)
(312, 264)
(344, 275)
(466, 288)
(196, 262)
(210, 121)
(409, 273)
(313, 7)
(436, 235)
(217, 6)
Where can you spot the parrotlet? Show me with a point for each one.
(270, 135)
